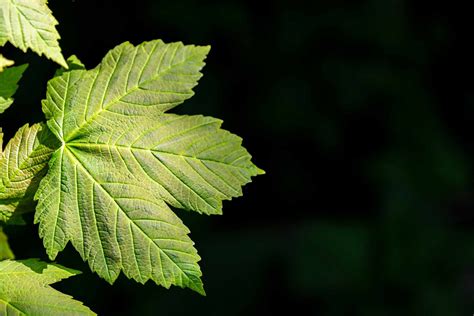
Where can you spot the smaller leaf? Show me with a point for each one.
(25, 289)
(5, 251)
(5, 63)
(30, 24)
(9, 84)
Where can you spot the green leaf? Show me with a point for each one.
(30, 24)
(22, 165)
(9, 79)
(25, 289)
(123, 161)
(5, 63)
(5, 251)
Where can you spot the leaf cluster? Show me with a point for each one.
(109, 163)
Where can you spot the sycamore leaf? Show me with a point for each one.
(123, 161)
(9, 84)
(22, 165)
(25, 289)
(5, 251)
(30, 24)
(5, 63)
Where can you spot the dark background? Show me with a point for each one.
(360, 112)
